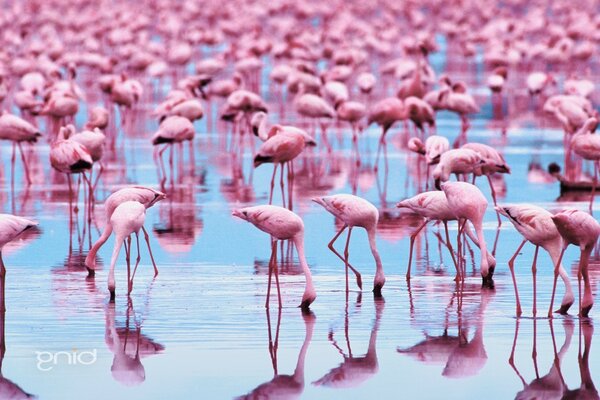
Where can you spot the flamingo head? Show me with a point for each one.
(241, 213)
(256, 121)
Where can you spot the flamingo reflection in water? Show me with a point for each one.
(354, 370)
(180, 225)
(281, 224)
(462, 357)
(128, 345)
(284, 386)
(553, 384)
(145, 196)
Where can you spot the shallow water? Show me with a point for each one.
(200, 328)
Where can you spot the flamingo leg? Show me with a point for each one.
(25, 166)
(379, 146)
(346, 256)
(276, 270)
(70, 214)
(272, 184)
(128, 259)
(137, 260)
(511, 266)
(596, 166)
(281, 184)
(271, 260)
(412, 244)
(494, 199)
(588, 299)
(556, 269)
(147, 238)
(330, 245)
(449, 245)
(534, 275)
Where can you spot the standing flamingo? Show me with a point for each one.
(537, 227)
(281, 224)
(71, 157)
(146, 196)
(469, 204)
(587, 145)
(581, 229)
(456, 161)
(93, 141)
(433, 206)
(173, 130)
(315, 107)
(354, 211)
(385, 113)
(18, 130)
(127, 218)
(280, 149)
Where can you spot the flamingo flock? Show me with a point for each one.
(296, 84)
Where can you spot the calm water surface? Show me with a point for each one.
(200, 329)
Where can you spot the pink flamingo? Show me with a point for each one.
(457, 100)
(385, 113)
(262, 130)
(173, 130)
(587, 145)
(98, 118)
(456, 161)
(127, 218)
(285, 386)
(432, 149)
(315, 107)
(354, 370)
(469, 204)
(281, 224)
(420, 113)
(144, 195)
(354, 211)
(11, 227)
(280, 149)
(491, 163)
(366, 82)
(70, 157)
(497, 80)
(18, 131)
(581, 229)
(93, 141)
(538, 81)
(433, 206)
(537, 227)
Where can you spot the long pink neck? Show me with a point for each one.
(299, 242)
(299, 371)
(379, 275)
(483, 246)
(90, 260)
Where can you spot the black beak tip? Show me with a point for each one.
(377, 291)
(564, 309)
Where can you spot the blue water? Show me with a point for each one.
(201, 324)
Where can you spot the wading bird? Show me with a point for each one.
(281, 224)
(354, 211)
